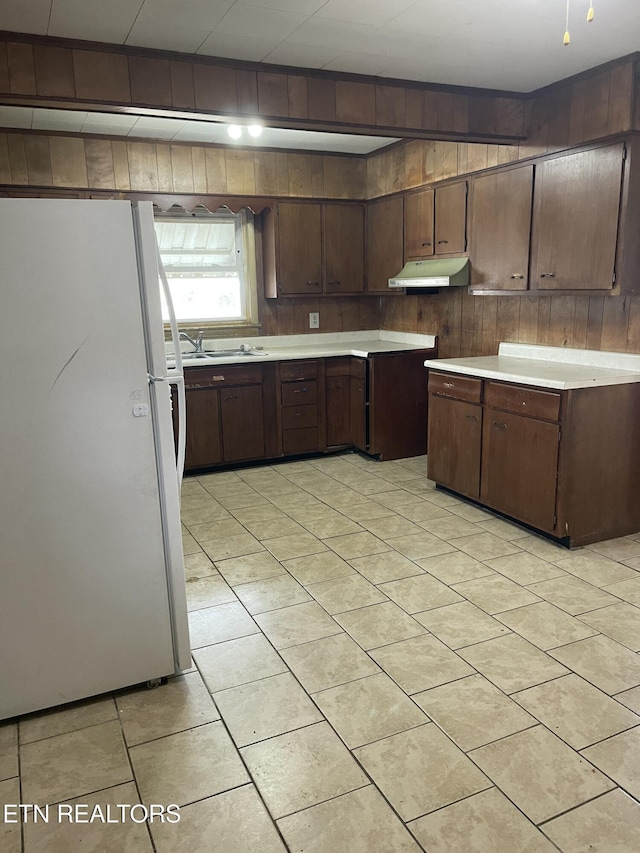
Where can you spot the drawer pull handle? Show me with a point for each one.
(448, 384)
(498, 425)
(472, 417)
(217, 378)
(312, 284)
(442, 241)
(517, 275)
(548, 275)
(301, 391)
(427, 243)
(232, 397)
(334, 283)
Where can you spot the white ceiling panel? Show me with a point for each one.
(356, 63)
(16, 116)
(376, 13)
(25, 16)
(300, 7)
(269, 23)
(149, 34)
(85, 19)
(237, 47)
(67, 120)
(337, 35)
(301, 55)
(196, 14)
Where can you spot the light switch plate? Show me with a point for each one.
(314, 320)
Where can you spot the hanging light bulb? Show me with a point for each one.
(255, 130)
(234, 131)
(567, 38)
(590, 13)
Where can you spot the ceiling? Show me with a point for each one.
(503, 44)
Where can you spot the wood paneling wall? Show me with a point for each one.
(43, 68)
(30, 159)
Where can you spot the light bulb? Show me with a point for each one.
(255, 130)
(234, 131)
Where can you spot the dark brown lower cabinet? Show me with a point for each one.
(566, 463)
(338, 402)
(242, 423)
(204, 446)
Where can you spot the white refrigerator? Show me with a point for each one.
(92, 591)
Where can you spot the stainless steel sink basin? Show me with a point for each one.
(222, 353)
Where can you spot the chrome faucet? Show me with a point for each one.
(197, 343)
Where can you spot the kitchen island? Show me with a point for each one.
(548, 436)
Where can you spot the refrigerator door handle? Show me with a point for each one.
(175, 376)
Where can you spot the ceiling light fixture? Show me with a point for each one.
(255, 130)
(567, 38)
(234, 131)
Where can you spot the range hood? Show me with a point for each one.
(444, 272)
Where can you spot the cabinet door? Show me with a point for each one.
(575, 223)
(300, 248)
(343, 248)
(418, 225)
(519, 467)
(358, 415)
(242, 423)
(398, 404)
(500, 229)
(384, 243)
(454, 444)
(451, 219)
(338, 411)
(203, 446)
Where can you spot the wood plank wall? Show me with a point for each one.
(44, 68)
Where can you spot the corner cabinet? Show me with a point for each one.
(311, 249)
(566, 463)
(385, 256)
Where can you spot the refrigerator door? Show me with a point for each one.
(88, 510)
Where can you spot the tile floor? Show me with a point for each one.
(378, 667)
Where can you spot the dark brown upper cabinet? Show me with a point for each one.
(384, 243)
(299, 249)
(419, 211)
(343, 248)
(435, 222)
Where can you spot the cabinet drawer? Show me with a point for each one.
(297, 417)
(300, 440)
(211, 377)
(359, 368)
(512, 398)
(294, 371)
(465, 388)
(299, 393)
(337, 366)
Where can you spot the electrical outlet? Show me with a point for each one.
(314, 320)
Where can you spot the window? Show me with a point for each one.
(209, 260)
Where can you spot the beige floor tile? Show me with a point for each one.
(512, 663)
(317, 567)
(486, 546)
(300, 623)
(189, 544)
(250, 567)
(310, 512)
(525, 568)
(234, 822)
(67, 718)
(364, 510)
(540, 773)
(238, 662)
(576, 711)
(216, 531)
(271, 594)
(422, 592)
(187, 766)
(10, 831)
(328, 662)
(634, 562)
(545, 626)
(356, 545)
(628, 590)
(302, 768)
(619, 758)
(208, 592)
(441, 498)
(460, 625)
(595, 569)
(359, 822)
(455, 567)
(182, 703)
(471, 512)
(198, 566)
(420, 663)
(420, 545)
(603, 662)
(297, 545)
(325, 527)
(421, 770)
(379, 625)
(388, 566)
(484, 823)
(610, 824)
(503, 529)
(346, 593)
(72, 764)
(125, 836)
(266, 512)
(495, 594)
(621, 622)
(271, 528)
(211, 511)
(233, 546)
(543, 548)
(423, 511)
(572, 594)
(472, 712)
(391, 526)
(217, 624)
(451, 527)
(8, 750)
(630, 699)
(266, 708)
(368, 709)
(397, 498)
(624, 548)
(240, 501)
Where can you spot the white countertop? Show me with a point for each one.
(547, 367)
(320, 345)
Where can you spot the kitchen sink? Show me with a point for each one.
(221, 353)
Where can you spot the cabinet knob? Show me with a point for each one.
(312, 284)
(548, 275)
(498, 425)
(217, 378)
(517, 275)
